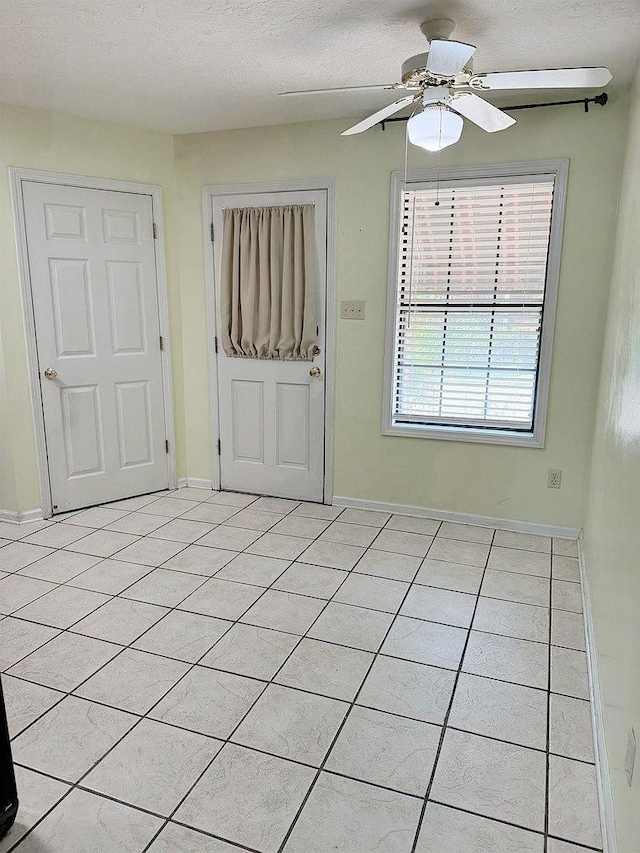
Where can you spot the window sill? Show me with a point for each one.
(466, 434)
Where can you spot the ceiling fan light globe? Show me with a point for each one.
(434, 128)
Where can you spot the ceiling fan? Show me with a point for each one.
(438, 82)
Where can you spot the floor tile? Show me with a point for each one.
(191, 493)
(230, 538)
(224, 599)
(565, 569)
(164, 587)
(409, 689)
(120, 621)
(282, 547)
(351, 626)
(383, 564)
(134, 681)
(84, 821)
(60, 566)
(300, 525)
(570, 728)
(312, 510)
(425, 642)
(305, 579)
(511, 619)
(284, 611)
(135, 503)
(208, 701)
(556, 846)
(247, 797)
(182, 530)
(68, 740)
(248, 650)
(566, 596)
(454, 576)
(37, 795)
(350, 534)
(569, 673)
(254, 519)
(109, 576)
(325, 668)
(57, 535)
(491, 778)
(573, 801)
(11, 531)
(565, 547)
(398, 542)
(16, 591)
(17, 555)
(235, 499)
(567, 629)
(508, 659)
(253, 569)
(509, 586)
(18, 639)
(183, 636)
(102, 543)
(150, 552)
(66, 661)
(448, 830)
(523, 541)
(98, 516)
(439, 605)
(292, 724)
(210, 513)
(345, 816)
(138, 523)
(497, 709)
(455, 551)
(181, 839)
(200, 560)
(332, 554)
(170, 507)
(153, 766)
(281, 505)
(372, 592)
(520, 562)
(466, 532)
(387, 750)
(411, 524)
(25, 702)
(63, 606)
(365, 516)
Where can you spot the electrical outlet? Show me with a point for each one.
(353, 310)
(630, 756)
(554, 478)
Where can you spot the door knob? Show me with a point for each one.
(315, 371)
(50, 373)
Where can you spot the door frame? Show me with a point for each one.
(18, 176)
(212, 191)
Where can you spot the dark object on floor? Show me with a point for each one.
(8, 790)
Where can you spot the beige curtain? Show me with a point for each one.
(269, 282)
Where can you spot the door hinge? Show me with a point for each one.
(219, 447)
(166, 445)
(212, 232)
(155, 231)
(215, 342)
(161, 344)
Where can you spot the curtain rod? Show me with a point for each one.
(601, 100)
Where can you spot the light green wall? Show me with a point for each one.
(506, 482)
(42, 140)
(612, 529)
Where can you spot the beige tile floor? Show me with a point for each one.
(195, 672)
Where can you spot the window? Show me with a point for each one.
(473, 277)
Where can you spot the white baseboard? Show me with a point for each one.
(195, 483)
(605, 796)
(462, 517)
(24, 517)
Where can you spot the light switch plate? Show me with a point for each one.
(352, 310)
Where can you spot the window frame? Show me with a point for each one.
(426, 178)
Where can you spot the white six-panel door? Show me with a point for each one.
(272, 413)
(94, 286)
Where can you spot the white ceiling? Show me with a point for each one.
(196, 65)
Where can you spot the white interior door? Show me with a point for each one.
(94, 285)
(272, 413)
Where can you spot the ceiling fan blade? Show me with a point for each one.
(448, 58)
(339, 89)
(366, 123)
(481, 112)
(555, 78)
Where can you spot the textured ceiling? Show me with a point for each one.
(196, 65)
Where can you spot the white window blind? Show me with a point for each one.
(471, 280)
